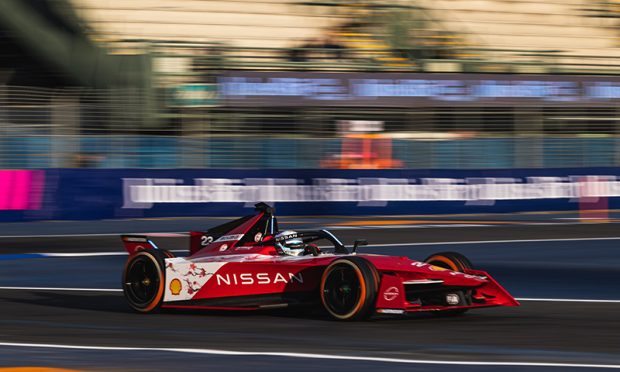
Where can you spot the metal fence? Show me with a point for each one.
(43, 128)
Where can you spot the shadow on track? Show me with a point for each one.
(117, 304)
(102, 302)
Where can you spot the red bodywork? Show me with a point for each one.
(239, 266)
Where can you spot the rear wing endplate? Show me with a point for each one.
(136, 243)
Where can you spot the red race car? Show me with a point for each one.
(248, 264)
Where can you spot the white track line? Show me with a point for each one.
(312, 356)
(95, 254)
(171, 234)
(83, 254)
(568, 300)
(64, 289)
(329, 227)
(493, 241)
(65, 235)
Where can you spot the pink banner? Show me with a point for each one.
(21, 189)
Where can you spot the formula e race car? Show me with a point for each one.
(249, 264)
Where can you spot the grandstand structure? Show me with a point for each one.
(518, 36)
(242, 23)
(571, 29)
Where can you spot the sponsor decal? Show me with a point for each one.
(391, 311)
(227, 238)
(223, 247)
(258, 278)
(175, 287)
(258, 236)
(286, 237)
(391, 293)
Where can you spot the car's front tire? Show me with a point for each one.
(348, 288)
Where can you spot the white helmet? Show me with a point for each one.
(290, 243)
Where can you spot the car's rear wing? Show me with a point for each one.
(136, 243)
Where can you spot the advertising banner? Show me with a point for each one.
(87, 194)
(22, 194)
(301, 89)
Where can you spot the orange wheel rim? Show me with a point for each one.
(362, 295)
(451, 264)
(160, 289)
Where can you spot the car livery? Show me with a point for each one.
(241, 265)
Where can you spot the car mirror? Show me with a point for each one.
(357, 243)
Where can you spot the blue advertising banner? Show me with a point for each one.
(302, 89)
(88, 194)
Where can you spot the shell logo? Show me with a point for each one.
(175, 287)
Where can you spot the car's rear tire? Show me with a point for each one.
(348, 288)
(144, 280)
(452, 261)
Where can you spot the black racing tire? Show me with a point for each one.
(349, 288)
(144, 280)
(452, 261)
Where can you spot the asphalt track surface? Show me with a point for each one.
(545, 262)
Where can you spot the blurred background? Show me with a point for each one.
(290, 84)
(487, 127)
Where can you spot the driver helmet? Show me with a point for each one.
(293, 246)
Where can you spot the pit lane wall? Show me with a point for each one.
(89, 194)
